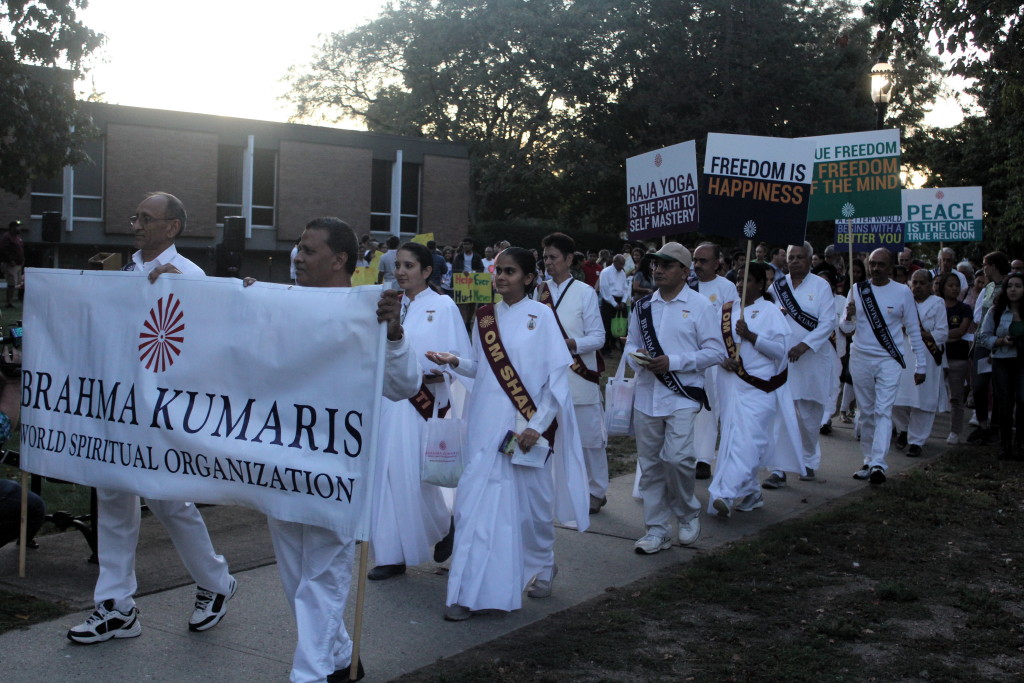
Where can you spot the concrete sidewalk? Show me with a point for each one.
(403, 628)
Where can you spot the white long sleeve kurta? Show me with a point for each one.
(811, 377)
(501, 540)
(931, 395)
(410, 516)
(758, 428)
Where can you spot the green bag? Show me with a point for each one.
(620, 325)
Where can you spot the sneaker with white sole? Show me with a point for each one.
(751, 502)
(652, 543)
(689, 531)
(721, 506)
(775, 480)
(863, 473)
(808, 475)
(210, 608)
(106, 623)
(953, 439)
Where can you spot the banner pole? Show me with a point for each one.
(23, 525)
(849, 239)
(357, 630)
(746, 272)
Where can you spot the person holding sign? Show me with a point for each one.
(707, 257)
(410, 517)
(756, 427)
(674, 336)
(807, 303)
(576, 311)
(879, 310)
(521, 439)
(157, 222)
(315, 563)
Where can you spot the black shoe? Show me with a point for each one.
(914, 451)
(901, 441)
(341, 675)
(443, 549)
(862, 474)
(385, 571)
(876, 476)
(979, 437)
(703, 470)
(826, 429)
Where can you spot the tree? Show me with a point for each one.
(41, 127)
(984, 42)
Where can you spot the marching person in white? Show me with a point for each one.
(719, 291)
(808, 305)
(575, 306)
(876, 357)
(757, 427)
(916, 404)
(315, 563)
(504, 509)
(411, 517)
(158, 220)
(674, 336)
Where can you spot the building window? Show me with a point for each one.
(229, 184)
(380, 197)
(87, 193)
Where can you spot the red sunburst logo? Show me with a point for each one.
(940, 194)
(658, 160)
(160, 342)
(443, 445)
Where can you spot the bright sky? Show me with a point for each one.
(222, 57)
(227, 57)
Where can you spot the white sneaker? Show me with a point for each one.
(689, 531)
(722, 507)
(953, 439)
(210, 608)
(751, 502)
(973, 422)
(106, 623)
(652, 543)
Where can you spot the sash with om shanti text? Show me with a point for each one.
(504, 372)
(792, 307)
(877, 322)
(767, 386)
(577, 362)
(649, 337)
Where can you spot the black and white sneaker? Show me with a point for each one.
(210, 608)
(863, 473)
(876, 475)
(106, 623)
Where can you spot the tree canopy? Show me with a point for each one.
(41, 128)
(553, 95)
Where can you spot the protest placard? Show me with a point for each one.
(201, 390)
(856, 175)
(884, 232)
(661, 191)
(472, 288)
(943, 214)
(756, 188)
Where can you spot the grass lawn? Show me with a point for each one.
(919, 580)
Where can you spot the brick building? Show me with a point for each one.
(277, 175)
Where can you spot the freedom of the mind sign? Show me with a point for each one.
(196, 389)
(856, 175)
(944, 214)
(661, 191)
(756, 188)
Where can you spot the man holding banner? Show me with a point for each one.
(315, 563)
(879, 309)
(158, 220)
(809, 307)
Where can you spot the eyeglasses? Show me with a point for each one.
(145, 219)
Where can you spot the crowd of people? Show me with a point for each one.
(739, 368)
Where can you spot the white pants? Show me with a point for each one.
(668, 464)
(316, 569)
(117, 537)
(915, 422)
(590, 419)
(808, 418)
(875, 383)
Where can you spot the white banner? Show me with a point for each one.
(199, 389)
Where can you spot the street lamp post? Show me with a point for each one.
(881, 89)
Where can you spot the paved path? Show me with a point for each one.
(403, 626)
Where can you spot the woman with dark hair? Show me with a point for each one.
(859, 274)
(410, 517)
(758, 423)
(520, 406)
(1002, 332)
(643, 278)
(958, 319)
(446, 277)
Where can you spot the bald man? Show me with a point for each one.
(878, 310)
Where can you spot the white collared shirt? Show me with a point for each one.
(169, 255)
(612, 283)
